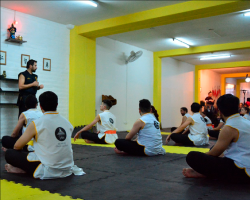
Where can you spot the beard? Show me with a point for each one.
(33, 70)
(182, 114)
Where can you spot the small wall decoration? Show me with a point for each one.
(3, 58)
(24, 60)
(46, 64)
(12, 31)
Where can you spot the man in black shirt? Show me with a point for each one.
(28, 84)
(209, 100)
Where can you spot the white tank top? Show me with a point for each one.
(247, 116)
(107, 127)
(198, 131)
(52, 145)
(239, 151)
(150, 136)
(188, 115)
(31, 115)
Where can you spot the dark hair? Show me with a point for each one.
(155, 113)
(31, 102)
(228, 104)
(48, 101)
(202, 103)
(185, 109)
(145, 105)
(209, 92)
(246, 109)
(107, 103)
(30, 62)
(195, 107)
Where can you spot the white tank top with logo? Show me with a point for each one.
(239, 151)
(247, 116)
(198, 131)
(150, 136)
(31, 115)
(52, 147)
(107, 127)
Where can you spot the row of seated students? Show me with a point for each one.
(51, 155)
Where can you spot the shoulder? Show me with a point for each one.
(22, 73)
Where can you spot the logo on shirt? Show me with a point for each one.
(111, 120)
(156, 124)
(60, 134)
(202, 119)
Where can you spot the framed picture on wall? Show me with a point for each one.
(24, 60)
(46, 64)
(3, 57)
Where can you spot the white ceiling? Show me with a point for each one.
(232, 70)
(78, 13)
(236, 55)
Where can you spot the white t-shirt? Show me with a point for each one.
(52, 147)
(31, 115)
(247, 116)
(239, 151)
(198, 131)
(107, 127)
(208, 123)
(150, 136)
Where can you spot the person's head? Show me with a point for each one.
(195, 107)
(48, 101)
(210, 94)
(244, 110)
(241, 105)
(154, 111)
(144, 106)
(183, 110)
(32, 65)
(31, 102)
(106, 105)
(228, 105)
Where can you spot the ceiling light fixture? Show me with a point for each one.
(247, 14)
(247, 79)
(177, 41)
(215, 57)
(92, 3)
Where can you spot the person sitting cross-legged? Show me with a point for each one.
(233, 142)
(53, 154)
(197, 127)
(149, 139)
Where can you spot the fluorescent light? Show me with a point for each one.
(180, 43)
(215, 57)
(247, 14)
(92, 3)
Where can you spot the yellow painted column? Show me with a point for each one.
(157, 85)
(82, 79)
(239, 81)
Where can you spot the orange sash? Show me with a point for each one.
(110, 132)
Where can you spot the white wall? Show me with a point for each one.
(177, 89)
(209, 81)
(244, 86)
(231, 81)
(45, 39)
(126, 83)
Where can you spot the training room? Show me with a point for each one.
(125, 99)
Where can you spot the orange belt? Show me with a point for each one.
(110, 132)
(209, 124)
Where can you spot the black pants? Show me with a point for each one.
(183, 139)
(19, 159)
(9, 142)
(93, 137)
(214, 134)
(130, 147)
(215, 167)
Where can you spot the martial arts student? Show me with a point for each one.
(24, 121)
(53, 155)
(245, 112)
(185, 115)
(197, 127)
(207, 120)
(234, 140)
(149, 139)
(214, 133)
(106, 127)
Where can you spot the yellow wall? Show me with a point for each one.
(81, 79)
(239, 81)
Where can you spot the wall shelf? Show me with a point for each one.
(8, 104)
(8, 91)
(15, 41)
(8, 79)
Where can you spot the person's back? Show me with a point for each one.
(239, 151)
(31, 115)
(150, 135)
(198, 130)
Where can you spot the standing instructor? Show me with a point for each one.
(28, 84)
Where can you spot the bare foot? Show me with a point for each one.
(4, 149)
(11, 169)
(118, 151)
(190, 173)
(88, 141)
